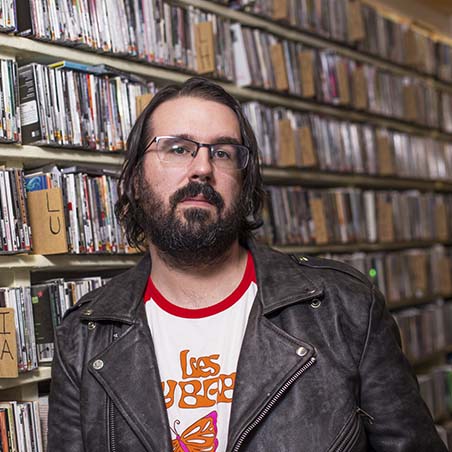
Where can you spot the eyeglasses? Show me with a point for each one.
(178, 151)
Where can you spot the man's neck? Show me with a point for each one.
(199, 287)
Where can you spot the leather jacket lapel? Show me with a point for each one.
(269, 358)
(131, 379)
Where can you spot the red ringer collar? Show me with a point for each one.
(248, 277)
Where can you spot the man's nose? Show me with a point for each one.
(201, 167)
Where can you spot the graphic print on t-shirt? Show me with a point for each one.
(202, 384)
(197, 353)
(199, 437)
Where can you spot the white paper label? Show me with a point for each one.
(29, 113)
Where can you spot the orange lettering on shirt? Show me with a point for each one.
(198, 367)
(208, 366)
(192, 395)
(169, 394)
(210, 387)
(227, 383)
(206, 393)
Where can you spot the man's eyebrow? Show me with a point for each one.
(221, 139)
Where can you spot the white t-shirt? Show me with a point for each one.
(197, 353)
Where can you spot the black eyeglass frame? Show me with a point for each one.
(209, 146)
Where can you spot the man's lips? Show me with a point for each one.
(197, 200)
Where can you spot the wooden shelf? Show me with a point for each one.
(33, 156)
(315, 178)
(355, 247)
(413, 302)
(63, 262)
(29, 50)
(98, 261)
(35, 376)
(436, 356)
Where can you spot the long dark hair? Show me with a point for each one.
(128, 208)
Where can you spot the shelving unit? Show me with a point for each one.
(16, 269)
(356, 247)
(33, 156)
(412, 302)
(315, 178)
(433, 358)
(67, 261)
(40, 374)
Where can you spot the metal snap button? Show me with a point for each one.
(98, 364)
(316, 304)
(302, 351)
(88, 311)
(91, 325)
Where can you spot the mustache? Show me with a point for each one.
(193, 189)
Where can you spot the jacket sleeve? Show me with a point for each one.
(390, 392)
(64, 405)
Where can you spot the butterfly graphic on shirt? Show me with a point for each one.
(201, 436)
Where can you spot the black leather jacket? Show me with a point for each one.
(320, 369)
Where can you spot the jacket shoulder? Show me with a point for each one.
(317, 263)
(88, 299)
(82, 302)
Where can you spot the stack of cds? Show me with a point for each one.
(422, 329)
(89, 197)
(404, 276)
(289, 138)
(74, 105)
(345, 215)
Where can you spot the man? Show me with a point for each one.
(215, 343)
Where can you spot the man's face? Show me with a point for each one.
(192, 212)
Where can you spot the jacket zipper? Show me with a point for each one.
(363, 413)
(272, 402)
(111, 413)
(111, 416)
(351, 437)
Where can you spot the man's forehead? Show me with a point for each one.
(193, 118)
(193, 102)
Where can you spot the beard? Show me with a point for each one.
(195, 237)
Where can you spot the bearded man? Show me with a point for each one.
(213, 342)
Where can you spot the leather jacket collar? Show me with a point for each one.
(274, 294)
